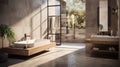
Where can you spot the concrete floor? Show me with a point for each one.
(66, 55)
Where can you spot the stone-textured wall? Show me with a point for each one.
(63, 7)
(91, 20)
(113, 16)
(91, 17)
(25, 16)
(119, 27)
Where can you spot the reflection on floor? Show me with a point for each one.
(66, 55)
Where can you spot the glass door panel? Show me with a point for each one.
(54, 22)
(54, 2)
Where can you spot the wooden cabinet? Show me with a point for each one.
(104, 48)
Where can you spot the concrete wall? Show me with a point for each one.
(91, 17)
(63, 7)
(91, 20)
(119, 25)
(25, 16)
(113, 16)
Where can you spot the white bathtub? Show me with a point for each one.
(31, 43)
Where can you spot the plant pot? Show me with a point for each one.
(3, 56)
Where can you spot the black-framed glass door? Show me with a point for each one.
(54, 21)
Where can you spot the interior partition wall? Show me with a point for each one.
(54, 21)
(118, 1)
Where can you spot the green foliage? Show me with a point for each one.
(5, 31)
(83, 1)
(76, 8)
(79, 18)
(100, 26)
(76, 1)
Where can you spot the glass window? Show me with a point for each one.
(54, 2)
(54, 10)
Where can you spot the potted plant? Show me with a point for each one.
(5, 32)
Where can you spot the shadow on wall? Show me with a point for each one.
(39, 27)
(13, 11)
(19, 15)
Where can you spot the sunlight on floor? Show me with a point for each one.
(73, 45)
(54, 53)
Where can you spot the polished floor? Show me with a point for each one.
(66, 55)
